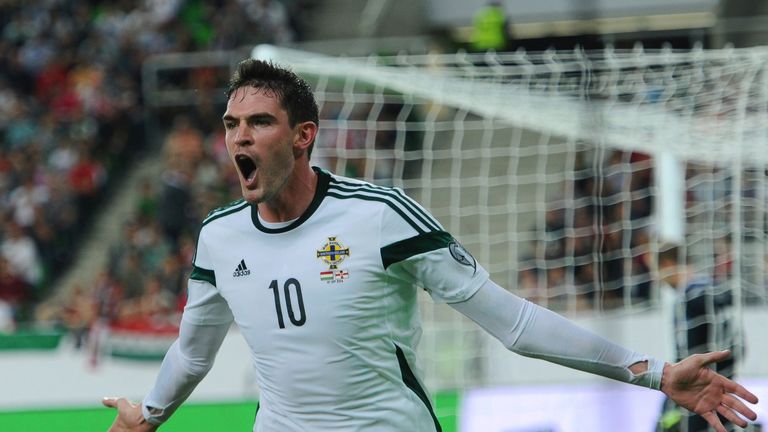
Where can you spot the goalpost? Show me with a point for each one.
(560, 171)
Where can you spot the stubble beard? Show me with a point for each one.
(272, 180)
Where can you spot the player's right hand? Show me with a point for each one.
(129, 417)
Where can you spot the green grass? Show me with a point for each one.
(189, 418)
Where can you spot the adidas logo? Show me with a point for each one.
(241, 270)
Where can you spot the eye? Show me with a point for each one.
(260, 121)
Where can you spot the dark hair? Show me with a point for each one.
(294, 93)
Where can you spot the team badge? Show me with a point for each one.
(333, 253)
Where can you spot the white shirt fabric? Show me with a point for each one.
(328, 307)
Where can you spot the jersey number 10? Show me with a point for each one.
(302, 318)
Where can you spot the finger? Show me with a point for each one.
(713, 357)
(731, 416)
(713, 421)
(737, 405)
(740, 391)
(110, 402)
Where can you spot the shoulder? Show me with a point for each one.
(390, 200)
(346, 188)
(348, 183)
(225, 210)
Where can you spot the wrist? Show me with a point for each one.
(647, 373)
(151, 415)
(664, 376)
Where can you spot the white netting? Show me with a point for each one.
(545, 165)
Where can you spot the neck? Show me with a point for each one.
(293, 199)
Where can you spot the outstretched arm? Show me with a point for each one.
(188, 360)
(533, 331)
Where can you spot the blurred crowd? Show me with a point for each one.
(143, 284)
(589, 248)
(71, 120)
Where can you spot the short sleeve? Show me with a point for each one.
(416, 249)
(436, 262)
(205, 305)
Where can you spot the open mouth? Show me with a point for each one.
(246, 166)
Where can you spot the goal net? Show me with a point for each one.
(562, 171)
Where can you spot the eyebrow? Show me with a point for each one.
(251, 117)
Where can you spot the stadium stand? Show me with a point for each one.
(71, 123)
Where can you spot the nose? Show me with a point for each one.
(242, 137)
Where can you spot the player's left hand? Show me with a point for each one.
(696, 387)
(129, 417)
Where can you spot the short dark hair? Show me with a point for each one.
(294, 93)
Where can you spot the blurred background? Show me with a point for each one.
(112, 153)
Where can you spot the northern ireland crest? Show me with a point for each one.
(332, 254)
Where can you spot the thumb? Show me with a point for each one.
(110, 402)
(714, 356)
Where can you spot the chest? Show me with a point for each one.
(308, 286)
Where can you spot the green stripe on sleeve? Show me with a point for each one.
(404, 249)
(204, 275)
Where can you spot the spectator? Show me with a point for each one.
(87, 177)
(184, 143)
(703, 321)
(171, 275)
(78, 313)
(129, 275)
(26, 199)
(156, 304)
(75, 312)
(7, 323)
(21, 253)
(155, 247)
(489, 28)
(63, 157)
(14, 292)
(146, 207)
(176, 198)
(107, 295)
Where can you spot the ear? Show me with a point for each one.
(305, 134)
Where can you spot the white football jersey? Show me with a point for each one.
(327, 304)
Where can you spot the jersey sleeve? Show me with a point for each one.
(205, 305)
(533, 331)
(416, 249)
